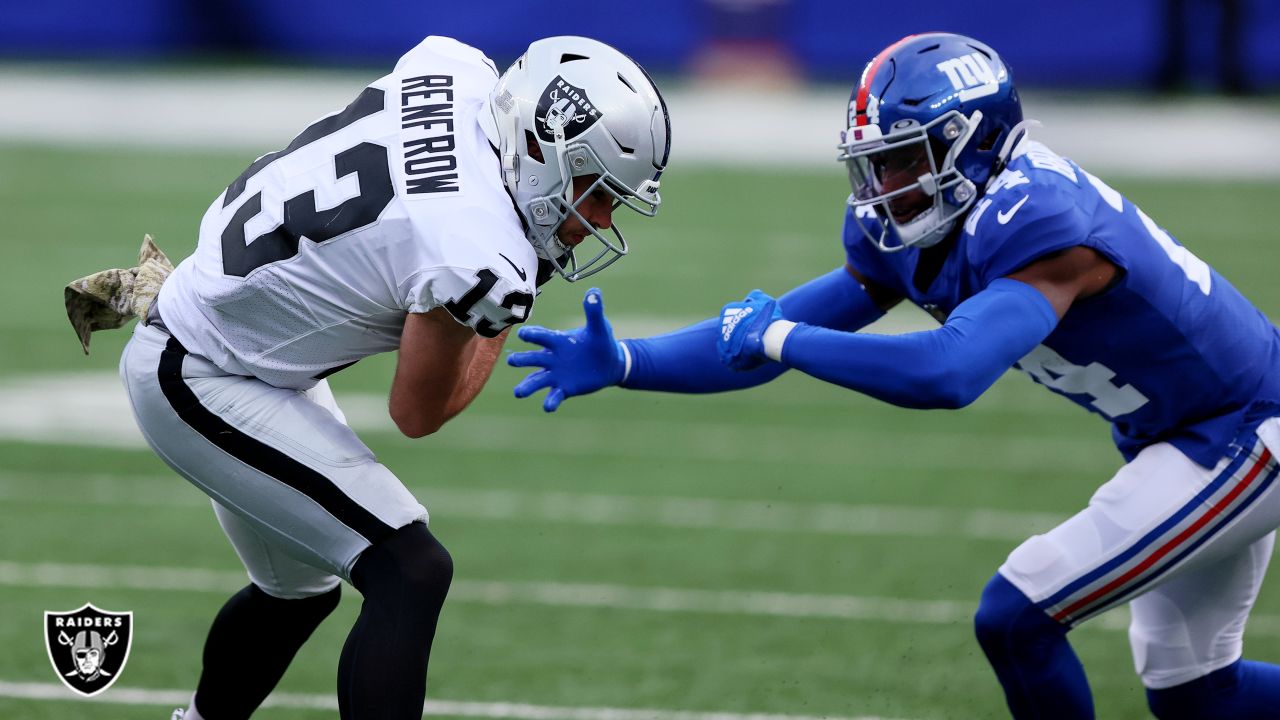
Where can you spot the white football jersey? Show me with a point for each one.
(311, 258)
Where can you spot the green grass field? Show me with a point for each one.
(562, 527)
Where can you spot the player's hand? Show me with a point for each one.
(574, 362)
(742, 326)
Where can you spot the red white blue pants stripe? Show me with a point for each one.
(1196, 540)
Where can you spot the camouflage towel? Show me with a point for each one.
(108, 299)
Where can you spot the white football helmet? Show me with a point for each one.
(590, 110)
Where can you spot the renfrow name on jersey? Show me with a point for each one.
(426, 109)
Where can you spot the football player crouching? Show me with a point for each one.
(419, 219)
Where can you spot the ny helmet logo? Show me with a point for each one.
(973, 76)
(564, 107)
(88, 647)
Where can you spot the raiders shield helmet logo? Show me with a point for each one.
(564, 106)
(88, 647)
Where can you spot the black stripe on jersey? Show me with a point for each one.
(371, 101)
(256, 454)
(336, 369)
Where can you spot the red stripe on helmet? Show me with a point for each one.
(864, 89)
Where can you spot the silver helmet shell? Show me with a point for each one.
(590, 110)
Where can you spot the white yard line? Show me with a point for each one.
(823, 518)
(746, 515)
(90, 410)
(458, 708)
(576, 595)
(552, 594)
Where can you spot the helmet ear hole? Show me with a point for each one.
(534, 149)
(989, 142)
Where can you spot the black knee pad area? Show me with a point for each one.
(409, 563)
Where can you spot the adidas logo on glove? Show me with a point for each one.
(731, 318)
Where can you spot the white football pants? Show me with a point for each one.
(1185, 546)
(298, 494)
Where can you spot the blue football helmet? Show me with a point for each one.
(933, 118)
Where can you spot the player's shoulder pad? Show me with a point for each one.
(436, 49)
(1036, 206)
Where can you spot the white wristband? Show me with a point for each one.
(626, 361)
(774, 338)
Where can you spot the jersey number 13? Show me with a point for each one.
(367, 161)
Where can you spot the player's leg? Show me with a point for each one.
(404, 579)
(284, 464)
(1187, 631)
(1148, 521)
(258, 631)
(1032, 659)
(277, 458)
(1188, 638)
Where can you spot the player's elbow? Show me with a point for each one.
(951, 389)
(954, 399)
(416, 424)
(417, 430)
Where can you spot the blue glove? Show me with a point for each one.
(575, 362)
(742, 326)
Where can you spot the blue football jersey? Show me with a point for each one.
(1170, 352)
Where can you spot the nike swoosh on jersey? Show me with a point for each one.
(521, 273)
(1003, 217)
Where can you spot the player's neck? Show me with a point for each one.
(931, 261)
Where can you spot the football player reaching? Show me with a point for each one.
(421, 218)
(1030, 262)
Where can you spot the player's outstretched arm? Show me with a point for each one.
(944, 368)
(585, 360)
(687, 361)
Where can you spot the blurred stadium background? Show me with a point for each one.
(790, 552)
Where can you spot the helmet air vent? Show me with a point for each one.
(930, 48)
(624, 82)
(625, 149)
(570, 57)
(989, 141)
